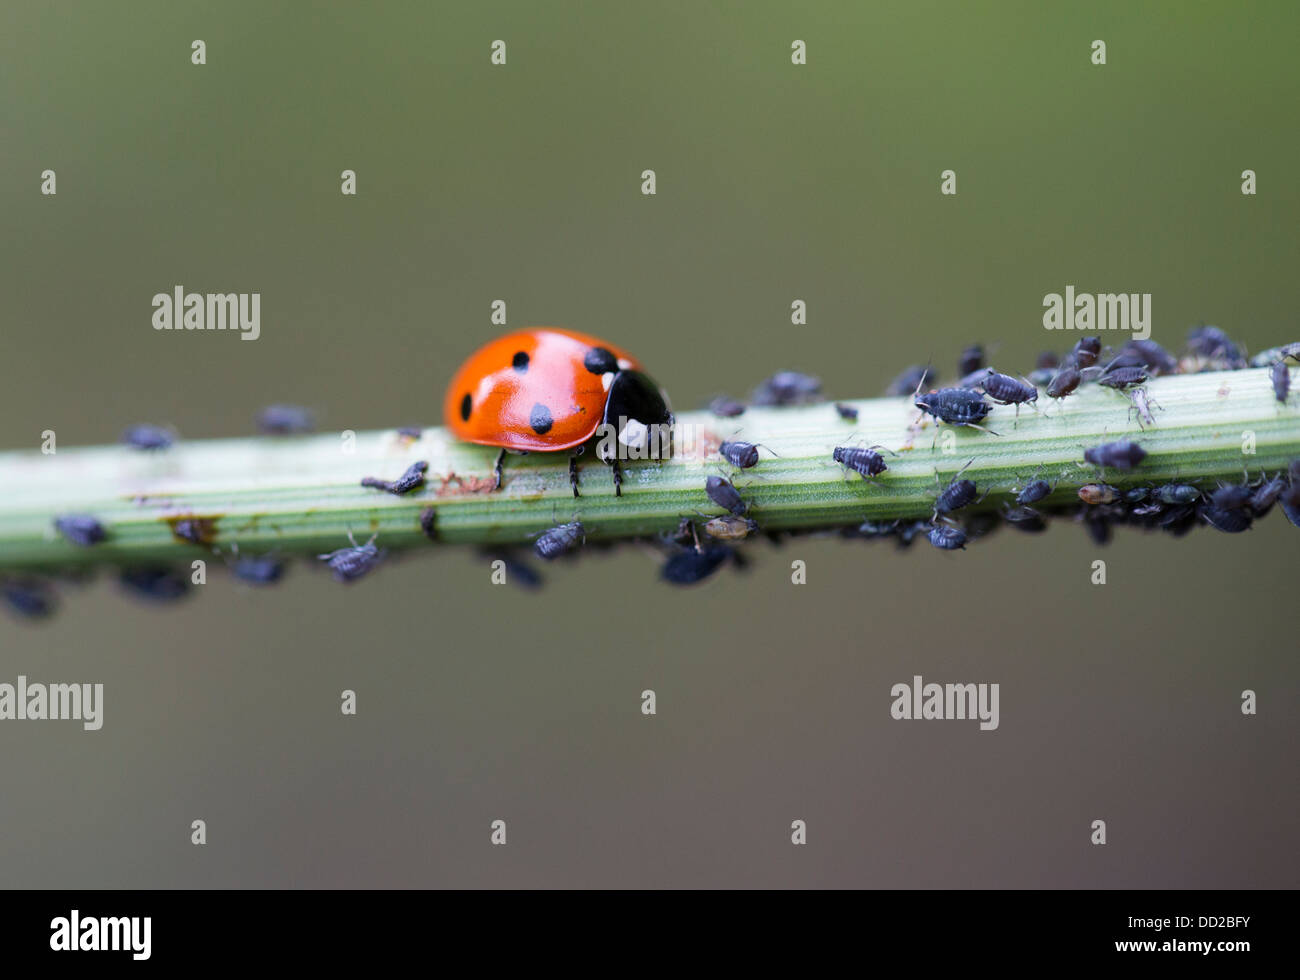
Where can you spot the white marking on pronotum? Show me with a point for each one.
(634, 434)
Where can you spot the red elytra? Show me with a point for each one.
(546, 389)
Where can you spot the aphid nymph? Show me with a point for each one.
(947, 538)
(408, 481)
(957, 494)
(1280, 376)
(1006, 390)
(559, 540)
(866, 462)
(350, 564)
(151, 437)
(740, 454)
(284, 420)
(1122, 455)
(81, 529)
(723, 493)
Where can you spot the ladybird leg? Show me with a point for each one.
(573, 475)
(618, 477)
(496, 469)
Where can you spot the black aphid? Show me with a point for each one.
(947, 538)
(29, 597)
(687, 567)
(1006, 390)
(81, 529)
(846, 412)
(864, 461)
(1215, 345)
(1124, 359)
(1099, 526)
(146, 436)
(412, 479)
(559, 540)
(727, 408)
(724, 494)
(975, 379)
(1231, 497)
(1025, 519)
(284, 420)
(788, 388)
(1227, 521)
(956, 406)
(971, 359)
(258, 569)
(411, 433)
(429, 523)
(913, 379)
(1063, 383)
(1085, 352)
(158, 583)
(1033, 492)
(1122, 455)
(1123, 377)
(739, 454)
(1047, 361)
(350, 564)
(1266, 494)
(1155, 357)
(1290, 502)
(956, 495)
(1281, 378)
(1178, 493)
(1136, 495)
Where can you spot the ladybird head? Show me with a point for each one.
(636, 407)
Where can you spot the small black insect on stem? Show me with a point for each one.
(412, 479)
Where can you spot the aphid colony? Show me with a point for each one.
(609, 378)
(1099, 506)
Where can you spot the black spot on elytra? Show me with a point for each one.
(540, 419)
(520, 362)
(466, 404)
(598, 360)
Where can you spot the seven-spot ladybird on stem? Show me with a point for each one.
(546, 390)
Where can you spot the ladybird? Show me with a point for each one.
(547, 389)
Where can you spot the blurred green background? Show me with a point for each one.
(522, 183)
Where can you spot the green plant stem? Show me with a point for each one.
(302, 495)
